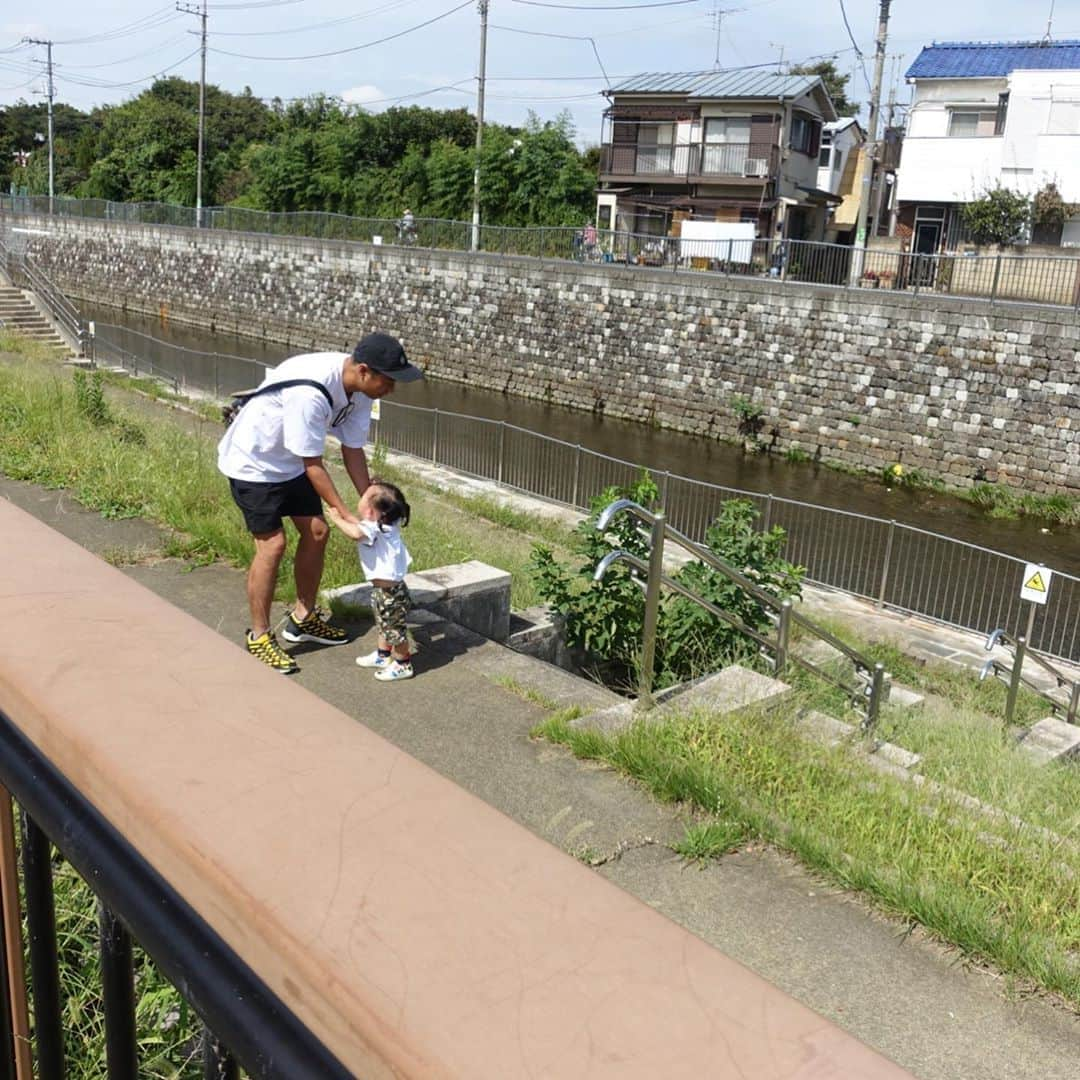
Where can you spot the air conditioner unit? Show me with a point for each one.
(756, 166)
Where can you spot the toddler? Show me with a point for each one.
(385, 560)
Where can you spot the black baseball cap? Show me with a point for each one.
(386, 355)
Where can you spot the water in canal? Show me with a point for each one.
(684, 455)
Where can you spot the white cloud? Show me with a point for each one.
(361, 95)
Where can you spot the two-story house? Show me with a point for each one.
(738, 146)
(985, 115)
(840, 164)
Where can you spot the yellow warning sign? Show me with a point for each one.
(1036, 583)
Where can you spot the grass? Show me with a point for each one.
(998, 890)
(173, 480)
(998, 893)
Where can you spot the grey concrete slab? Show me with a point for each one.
(901, 993)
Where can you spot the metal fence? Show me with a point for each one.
(895, 565)
(1018, 277)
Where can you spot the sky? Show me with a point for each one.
(542, 55)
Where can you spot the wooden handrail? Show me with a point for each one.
(416, 931)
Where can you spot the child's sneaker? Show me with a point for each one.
(374, 659)
(394, 670)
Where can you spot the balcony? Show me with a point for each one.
(696, 161)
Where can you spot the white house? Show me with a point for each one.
(985, 115)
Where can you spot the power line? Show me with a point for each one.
(855, 45)
(127, 59)
(319, 25)
(100, 84)
(147, 22)
(352, 49)
(605, 7)
(564, 37)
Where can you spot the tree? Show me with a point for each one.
(998, 216)
(835, 84)
(604, 619)
(1049, 212)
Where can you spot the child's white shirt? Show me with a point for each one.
(383, 554)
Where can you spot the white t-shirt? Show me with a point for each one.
(272, 433)
(383, 554)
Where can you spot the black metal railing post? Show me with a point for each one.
(118, 994)
(218, 1063)
(44, 967)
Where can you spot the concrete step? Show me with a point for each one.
(1051, 739)
(826, 729)
(733, 688)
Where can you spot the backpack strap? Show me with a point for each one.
(246, 395)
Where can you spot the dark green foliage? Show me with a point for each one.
(605, 619)
(90, 398)
(835, 84)
(998, 216)
(317, 154)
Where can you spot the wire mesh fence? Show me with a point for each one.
(998, 278)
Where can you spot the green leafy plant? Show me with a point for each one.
(998, 216)
(604, 620)
(90, 398)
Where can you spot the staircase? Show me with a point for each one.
(20, 315)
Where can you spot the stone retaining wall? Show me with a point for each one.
(957, 389)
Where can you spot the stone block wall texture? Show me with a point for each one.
(960, 390)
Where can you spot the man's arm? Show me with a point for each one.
(356, 466)
(324, 486)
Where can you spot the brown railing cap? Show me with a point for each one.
(414, 929)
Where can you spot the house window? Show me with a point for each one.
(1002, 112)
(971, 123)
(727, 129)
(805, 134)
(824, 159)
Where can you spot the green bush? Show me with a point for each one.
(605, 619)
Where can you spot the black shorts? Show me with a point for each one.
(264, 505)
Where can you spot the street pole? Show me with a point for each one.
(871, 143)
(483, 8)
(201, 13)
(52, 160)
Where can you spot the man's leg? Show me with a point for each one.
(304, 624)
(308, 564)
(262, 578)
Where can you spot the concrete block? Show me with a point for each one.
(1051, 739)
(823, 728)
(897, 755)
(733, 688)
(471, 594)
(905, 697)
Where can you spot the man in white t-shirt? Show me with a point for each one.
(272, 454)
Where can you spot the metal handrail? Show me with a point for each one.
(1014, 677)
(42, 286)
(869, 697)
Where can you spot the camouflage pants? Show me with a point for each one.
(391, 605)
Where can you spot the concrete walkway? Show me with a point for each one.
(898, 992)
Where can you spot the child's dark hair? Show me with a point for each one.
(389, 503)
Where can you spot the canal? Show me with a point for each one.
(696, 458)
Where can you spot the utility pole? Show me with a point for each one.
(871, 142)
(51, 92)
(482, 5)
(201, 13)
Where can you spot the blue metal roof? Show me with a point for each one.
(992, 59)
